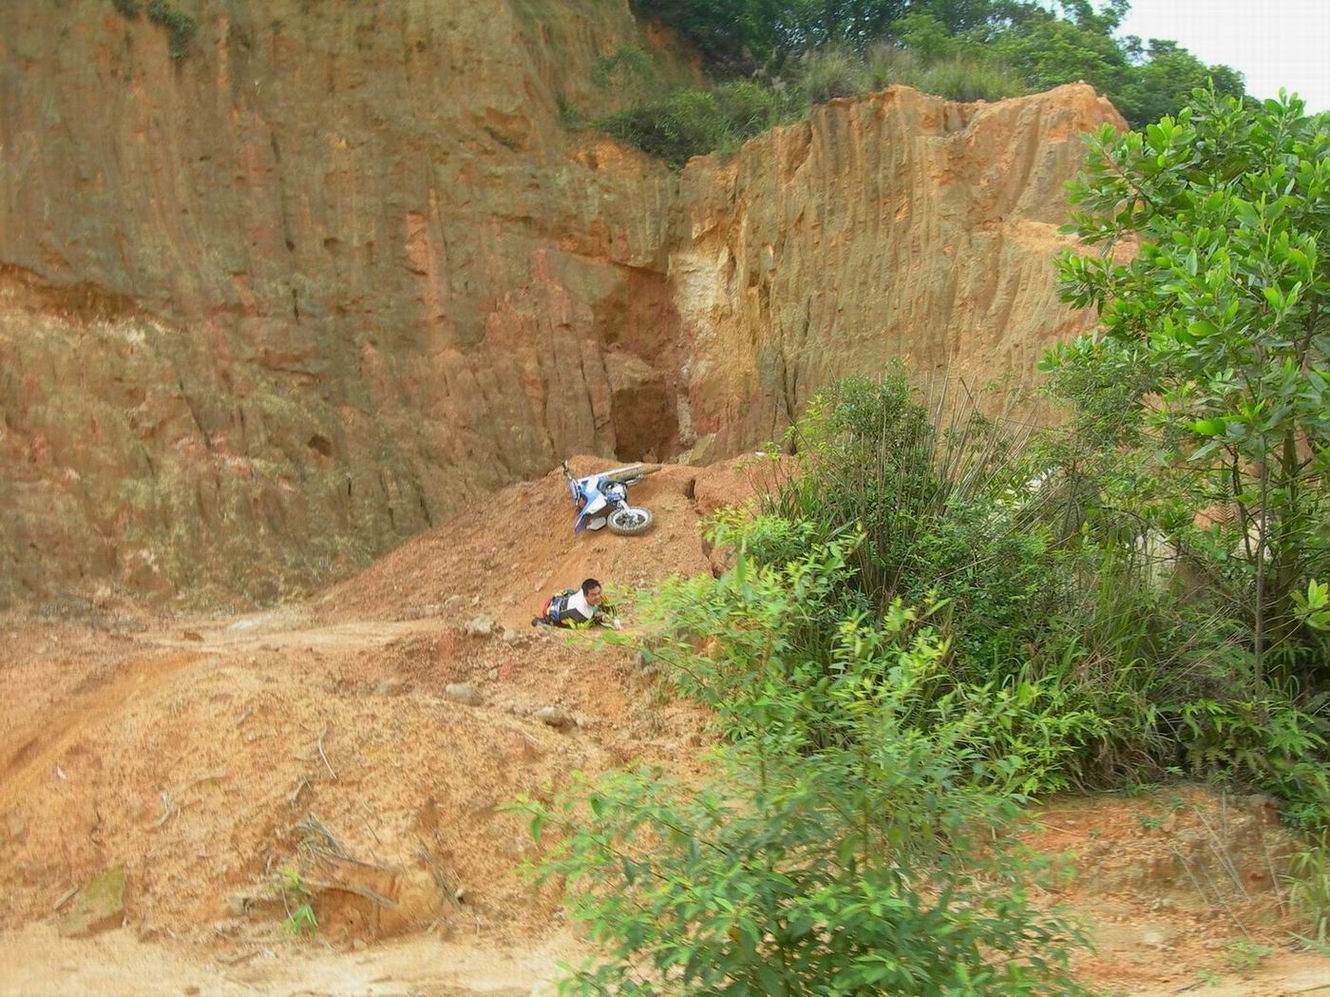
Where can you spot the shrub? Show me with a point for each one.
(674, 128)
(1309, 883)
(693, 122)
(871, 861)
(750, 108)
(629, 71)
(1218, 311)
(126, 8)
(933, 504)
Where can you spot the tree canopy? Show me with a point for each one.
(1048, 42)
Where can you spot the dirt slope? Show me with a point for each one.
(505, 555)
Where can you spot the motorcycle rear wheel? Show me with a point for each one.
(630, 521)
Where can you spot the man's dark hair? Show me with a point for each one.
(588, 585)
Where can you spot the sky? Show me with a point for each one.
(1274, 43)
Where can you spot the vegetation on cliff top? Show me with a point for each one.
(772, 59)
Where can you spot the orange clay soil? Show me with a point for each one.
(320, 745)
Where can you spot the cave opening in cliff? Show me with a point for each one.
(646, 426)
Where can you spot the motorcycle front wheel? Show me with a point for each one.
(629, 521)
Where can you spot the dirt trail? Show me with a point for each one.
(36, 962)
(371, 741)
(32, 751)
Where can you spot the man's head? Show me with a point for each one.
(592, 591)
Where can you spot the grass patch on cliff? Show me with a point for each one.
(675, 125)
(180, 26)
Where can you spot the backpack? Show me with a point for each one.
(555, 606)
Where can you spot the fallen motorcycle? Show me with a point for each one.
(602, 500)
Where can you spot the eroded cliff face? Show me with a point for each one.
(271, 308)
(892, 225)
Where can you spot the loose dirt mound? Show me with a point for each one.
(208, 774)
(507, 554)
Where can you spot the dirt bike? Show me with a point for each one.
(602, 500)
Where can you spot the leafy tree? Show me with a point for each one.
(1223, 309)
(745, 34)
(1049, 51)
(1162, 83)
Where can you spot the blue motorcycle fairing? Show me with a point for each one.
(594, 493)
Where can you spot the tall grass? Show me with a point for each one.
(831, 73)
(968, 79)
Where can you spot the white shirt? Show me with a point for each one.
(577, 604)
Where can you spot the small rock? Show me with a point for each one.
(479, 626)
(553, 716)
(389, 687)
(461, 692)
(358, 944)
(492, 675)
(1154, 938)
(100, 905)
(191, 635)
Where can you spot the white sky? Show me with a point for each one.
(1273, 43)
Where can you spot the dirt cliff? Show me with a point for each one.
(270, 307)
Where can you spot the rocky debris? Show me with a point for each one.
(479, 626)
(553, 716)
(464, 693)
(99, 906)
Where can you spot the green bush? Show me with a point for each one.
(1044, 44)
(674, 128)
(693, 122)
(1218, 311)
(874, 861)
(127, 8)
(933, 504)
(629, 72)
